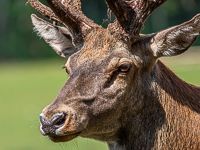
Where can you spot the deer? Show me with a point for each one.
(118, 90)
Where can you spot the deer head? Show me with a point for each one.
(109, 69)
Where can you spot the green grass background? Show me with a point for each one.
(26, 87)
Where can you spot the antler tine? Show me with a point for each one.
(69, 11)
(44, 10)
(131, 14)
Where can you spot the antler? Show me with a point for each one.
(44, 10)
(131, 14)
(69, 13)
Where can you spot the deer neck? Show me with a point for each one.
(167, 110)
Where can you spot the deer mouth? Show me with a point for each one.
(57, 135)
(64, 138)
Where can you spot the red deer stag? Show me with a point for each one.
(118, 91)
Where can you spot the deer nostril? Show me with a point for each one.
(58, 119)
(49, 126)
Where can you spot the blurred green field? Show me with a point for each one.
(26, 87)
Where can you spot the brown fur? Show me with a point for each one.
(181, 103)
(170, 116)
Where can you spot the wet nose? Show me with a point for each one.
(49, 126)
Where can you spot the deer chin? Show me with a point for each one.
(63, 138)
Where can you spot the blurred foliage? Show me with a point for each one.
(18, 41)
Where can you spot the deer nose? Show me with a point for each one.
(49, 126)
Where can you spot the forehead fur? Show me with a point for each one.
(98, 44)
(98, 47)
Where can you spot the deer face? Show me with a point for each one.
(107, 75)
(93, 97)
(92, 101)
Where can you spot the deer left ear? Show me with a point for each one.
(59, 38)
(175, 40)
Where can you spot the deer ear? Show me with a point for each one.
(175, 40)
(59, 38)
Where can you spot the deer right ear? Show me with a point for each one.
(177, 39)
(59, 38)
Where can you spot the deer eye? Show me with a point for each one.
(124, 68)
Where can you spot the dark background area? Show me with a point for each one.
(17, 40)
